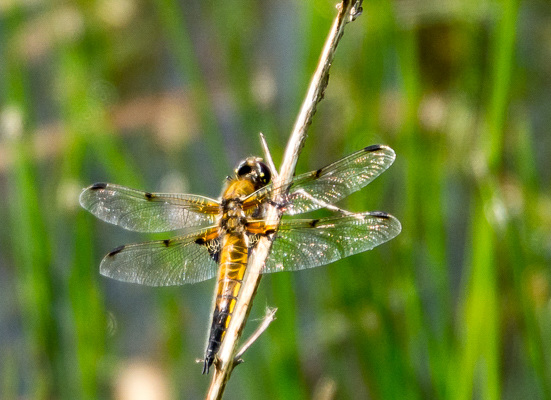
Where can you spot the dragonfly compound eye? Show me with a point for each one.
(264, 173)
(243, 169)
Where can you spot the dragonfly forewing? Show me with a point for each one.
(148, 212)
(328, 185)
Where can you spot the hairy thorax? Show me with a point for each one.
(234, 218)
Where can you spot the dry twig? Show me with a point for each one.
(348, 10)
(268, 318)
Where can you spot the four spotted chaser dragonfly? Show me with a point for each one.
(227, 230)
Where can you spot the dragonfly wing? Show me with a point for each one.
(177, 261)
(301, 244)
(332, 183)
(147, 212)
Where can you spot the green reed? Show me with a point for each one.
(455, 307)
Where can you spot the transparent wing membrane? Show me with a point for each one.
(176, 261)
(328, 185)
(148, 212)
(301, 244)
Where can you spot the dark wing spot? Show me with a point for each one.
(373, 147)
(269, 231)
(148, 195)
(116, 251)
(166, 242)
(98, 185)
(317, 173)
(314, 222)
(379, 214)
(200, 241)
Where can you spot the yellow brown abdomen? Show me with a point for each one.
(233, 263)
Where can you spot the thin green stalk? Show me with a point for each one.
(480, 358)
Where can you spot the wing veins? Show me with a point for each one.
(301, 244)
(148, 212)
(176, 261)
(331, 183)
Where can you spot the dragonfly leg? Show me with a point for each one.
(280, 205)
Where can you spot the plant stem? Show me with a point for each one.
(347, 11)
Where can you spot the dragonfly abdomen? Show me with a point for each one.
(233, 263)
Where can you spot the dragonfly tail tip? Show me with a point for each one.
(207, 364)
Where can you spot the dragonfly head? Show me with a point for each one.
(253, 169)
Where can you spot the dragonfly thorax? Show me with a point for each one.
(233, 217)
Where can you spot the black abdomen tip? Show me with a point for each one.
(207, 364)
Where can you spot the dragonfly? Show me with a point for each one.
(217, 236)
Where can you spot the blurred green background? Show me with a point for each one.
(169, 96)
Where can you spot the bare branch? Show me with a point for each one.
(347, 11)
(268, 318)
(268, 155)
